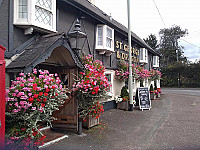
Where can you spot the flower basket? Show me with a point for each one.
(123, 105)
(90, 122)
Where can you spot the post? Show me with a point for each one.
(79, 126)
(130, 58)
(2, 97)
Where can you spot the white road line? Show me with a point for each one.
(53, 141)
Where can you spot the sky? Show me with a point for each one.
(145, 19)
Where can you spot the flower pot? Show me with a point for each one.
(123, 105)
(152, 96)
(90, 122)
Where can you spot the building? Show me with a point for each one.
(36, 33)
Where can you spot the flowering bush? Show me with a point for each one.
(90, 85)
(122, 72)
(159, 90)
(32, 98)
(141, 73)
(96, 110)
(154, 74)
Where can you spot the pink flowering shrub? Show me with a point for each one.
(32, 98)
(91, 84)
(141, 73)
(122, 73)
(154, 74)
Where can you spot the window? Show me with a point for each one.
(109, 76)
(43, 12)
(100, 35)
(23, 9)
(108, 37)
(105, 39)
(143, 55)
(155, 61)
(37, 14)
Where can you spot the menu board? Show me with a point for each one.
(144, 98)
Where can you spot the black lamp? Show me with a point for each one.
(77, 37)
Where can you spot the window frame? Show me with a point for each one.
(112, 81)
(30, 20)
(104, 46)
(156, 61)
(144, 53)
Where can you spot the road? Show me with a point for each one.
(172, 123)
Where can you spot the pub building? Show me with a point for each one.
(53, 34)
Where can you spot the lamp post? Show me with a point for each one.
(77, 39)
(178, 72)
(130, 59)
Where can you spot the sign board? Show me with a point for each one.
(144, 98)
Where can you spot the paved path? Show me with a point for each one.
(172, 123)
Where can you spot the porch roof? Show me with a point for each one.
(41, 50)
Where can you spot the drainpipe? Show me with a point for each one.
(2, 97)
(130, 59)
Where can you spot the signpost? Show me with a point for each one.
(144, 98)
(2, 97)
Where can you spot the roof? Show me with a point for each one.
(94, 11)
(40, 50)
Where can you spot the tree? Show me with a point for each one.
(169, 46)
(152, 41)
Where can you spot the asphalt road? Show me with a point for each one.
(172, 123)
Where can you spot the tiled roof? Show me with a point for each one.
(99, 14)
(34, 51)
(40, 50)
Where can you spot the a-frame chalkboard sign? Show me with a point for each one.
(144, 98)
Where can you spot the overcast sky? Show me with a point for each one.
(145, 18)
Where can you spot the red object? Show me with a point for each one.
(2, 96)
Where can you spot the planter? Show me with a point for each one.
(152, 96)
(123, 105)
(158, 96)
(90, 122)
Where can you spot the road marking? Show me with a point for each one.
(194, 103)
(53, 141)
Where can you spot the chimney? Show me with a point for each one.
(92, 1)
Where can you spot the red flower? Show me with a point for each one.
(39, 100)
(47, 90)
(42, 138)
(53, 87)
(31, 99)
(22, 85)
(56, 94)
(42, 105)
(35, 88)
(93, 92)
(23, 129)
(35, 96)
(44, 100)
(45, 94)
(35, 84)
(40, 93)
(34, 133)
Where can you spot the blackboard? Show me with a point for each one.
(144, 98)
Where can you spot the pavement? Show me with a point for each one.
(172, 123)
